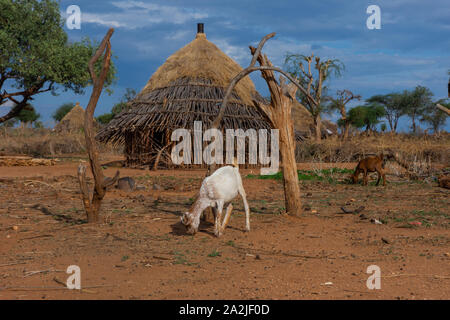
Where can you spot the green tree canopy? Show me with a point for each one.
(418, 102)
(61, 112)
(28, 114)
(105, 118)
(36, 56)
(395, 106)
(368, 116)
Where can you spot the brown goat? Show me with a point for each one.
(370, 164)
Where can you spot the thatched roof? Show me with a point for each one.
(72, 121)
(204, 60)
(189, 87)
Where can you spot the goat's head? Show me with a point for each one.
(188, 220)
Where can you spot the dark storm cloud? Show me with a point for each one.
(411, 48)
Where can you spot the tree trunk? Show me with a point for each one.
(282, 119)
(346, 130)
(318, 129)
(280, 113)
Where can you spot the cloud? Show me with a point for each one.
(238, 53)
(138, 14)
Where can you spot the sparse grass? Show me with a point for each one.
(329, 175)
(214, 254)
(230, 243)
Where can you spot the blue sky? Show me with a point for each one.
(411, 48)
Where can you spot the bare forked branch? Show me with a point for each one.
(92, 207)
(252, 68)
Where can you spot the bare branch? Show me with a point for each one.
(441, 107)
(239, 77)
(100, 183)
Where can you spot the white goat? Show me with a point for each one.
(218, 189)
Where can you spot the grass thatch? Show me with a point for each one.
(72, 121)
(201, 59)
(178, 105)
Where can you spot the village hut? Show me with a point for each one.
(73, 121)
(188, 87)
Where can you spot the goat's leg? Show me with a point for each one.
(355, 175)
(366, 178)
(217, 224)
(384, 178)
(227, 217)
(247, 209)
(379, 177)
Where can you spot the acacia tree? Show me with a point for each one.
(36, 56)
(418, 102)
(367, 116)
(395, 106)
(301, 68)
(343, 97)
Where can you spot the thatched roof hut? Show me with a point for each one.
(188, 87)
(73, 121)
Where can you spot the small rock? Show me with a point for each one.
(314, 211)
(15, 228)
(126, 184)
(415, 223)
(327, 284)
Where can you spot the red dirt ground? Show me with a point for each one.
(141, 250)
